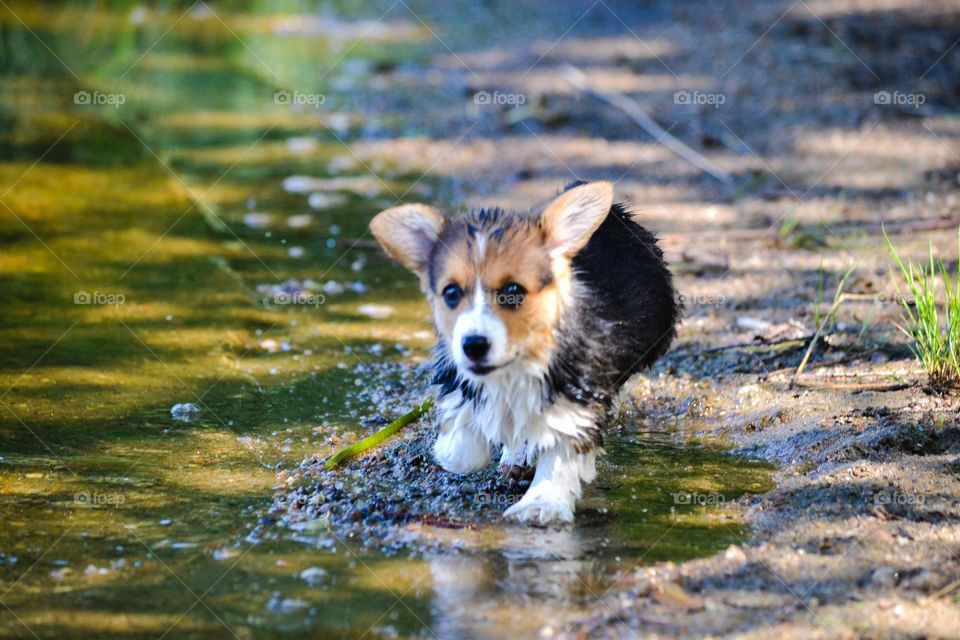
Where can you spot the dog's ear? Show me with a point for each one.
(571, 219)
(408, 233)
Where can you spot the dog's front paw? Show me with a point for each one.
(461, 451)
(542, 505)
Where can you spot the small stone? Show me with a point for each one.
(299, 221)
(257, 220)
(375, 311)
(301, 144)
(735, 554)
(184, 411)
(313, 576)
(225, 554)
(320, 201)
(286, 605)
(926, 580)
(884, 578)
(332, 287)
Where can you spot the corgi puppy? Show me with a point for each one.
(541, 317)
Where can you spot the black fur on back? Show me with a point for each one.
(627, 316)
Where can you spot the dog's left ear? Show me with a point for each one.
(408, 233)
(571, 219)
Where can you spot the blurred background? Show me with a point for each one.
(192, 303)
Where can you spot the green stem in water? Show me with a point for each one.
(373, 440)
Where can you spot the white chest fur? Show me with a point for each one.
(514, 410)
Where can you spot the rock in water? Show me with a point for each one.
(185, 411)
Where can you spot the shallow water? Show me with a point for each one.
(145, 247)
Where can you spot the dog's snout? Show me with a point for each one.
(476, 347)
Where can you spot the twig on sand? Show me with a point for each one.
(816, 336)
(838, 298)
(757, 345)
(373, 440)
(945, 590)
(579, 79)
(859, 386)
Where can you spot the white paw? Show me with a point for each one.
(514, 457)
(543, 505)
(461, 450)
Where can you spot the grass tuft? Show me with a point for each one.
(933, 328)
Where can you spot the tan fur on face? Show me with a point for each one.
(488, 250)
(520, 256)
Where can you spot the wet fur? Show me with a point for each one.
(593, 319)
(623, 317)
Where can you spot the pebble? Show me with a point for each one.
(313, 576)
(299, 221)
(257, 220)
(332, 287)
(375, 311)
(884, 578)
(279, 604)
(301, 144)
(926, 580)
(320, 201)
(225, 553)
(735, 554)
(185, 411)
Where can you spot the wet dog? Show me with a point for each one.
(541, 318)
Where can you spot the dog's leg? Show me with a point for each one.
(460, 449)
(514, 463)
(556, 485)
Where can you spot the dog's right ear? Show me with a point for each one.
(408, 233)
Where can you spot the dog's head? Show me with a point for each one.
(497, 282)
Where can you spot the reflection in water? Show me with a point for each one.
(539, 573)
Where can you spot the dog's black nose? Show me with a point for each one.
(476, 347)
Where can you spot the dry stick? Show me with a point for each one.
(912, 225)
(373, 440)
(579, 79)
(944, 591)
(759, 345)
(860, 386)
(816, 336)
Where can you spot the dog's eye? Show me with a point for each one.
(452, 294)
(511, 295)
